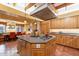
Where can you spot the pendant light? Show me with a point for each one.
(25, 16)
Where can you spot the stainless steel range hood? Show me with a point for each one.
(45, 12)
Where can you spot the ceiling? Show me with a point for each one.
(29, 8)
(21, 6)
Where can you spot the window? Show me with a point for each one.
(2, 28)
(19, 29)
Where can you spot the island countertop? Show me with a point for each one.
(30, 39)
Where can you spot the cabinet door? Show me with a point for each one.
(70, 22)
(74, 42)
(38, 52)
(45, 26)
(59, 39)
(67, 40)
(77, 21)
(60, 23)
(77, 42)
(50, 49)
(53, 24)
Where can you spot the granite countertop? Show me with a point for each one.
(75, 34)
(35, 39)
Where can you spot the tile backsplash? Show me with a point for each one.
(65, 30)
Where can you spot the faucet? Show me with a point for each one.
(60, 32)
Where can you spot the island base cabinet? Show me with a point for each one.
(23, 48)
(36, 49)
(38, 52)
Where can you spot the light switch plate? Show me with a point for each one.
(37, 45)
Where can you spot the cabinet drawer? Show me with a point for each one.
(38, 52)
(38, 45)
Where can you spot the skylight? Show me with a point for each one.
(20, 7)
(68, 9)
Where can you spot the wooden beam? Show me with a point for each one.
(29, 6)
(4, 23)
(63, 5)
(16, 12)
(10, 16)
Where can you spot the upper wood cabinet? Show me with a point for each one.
(57, 23)
(70, 22)
(60, 23)
(45, 26)
(53, 23)
(77, 21)
(67, 23)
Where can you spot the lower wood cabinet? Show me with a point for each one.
(74, 41)
(23, 48)
(38, 52)
(69, 40)
(38, 49)
(77, 42)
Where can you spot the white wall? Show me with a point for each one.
(65, 30)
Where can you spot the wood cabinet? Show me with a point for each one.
(23, 48)
(50, 49)
(31, 49)
(57, 24)
(36, 49)
(38, 52)
(60, 23)
(77, 42)
(77, 21)
(68, 40)
(71, 40)
(67, 23)
(53, 23)
(45, 26)
(70, 22)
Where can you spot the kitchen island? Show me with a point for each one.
(35, 46)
